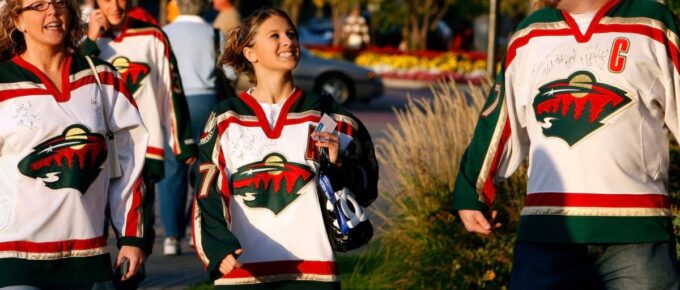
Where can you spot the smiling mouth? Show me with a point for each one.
(53, 25)
(288, 54)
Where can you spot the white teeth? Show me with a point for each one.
(286, 54)
(52, 25)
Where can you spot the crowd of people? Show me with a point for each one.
(101, 106)
(95, 115)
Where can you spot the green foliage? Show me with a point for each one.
(674, 5)
(422, 245)
(674, 173)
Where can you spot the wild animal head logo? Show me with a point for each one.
(272, 183)
(71, 160)
(132, 72)
(573, 108)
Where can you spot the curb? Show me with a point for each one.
(393, 83)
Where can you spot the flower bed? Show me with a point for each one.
(414, 65)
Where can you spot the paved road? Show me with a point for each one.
(379, 112)
(183, 271)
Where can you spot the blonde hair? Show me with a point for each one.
(242, 36)
(12, 40)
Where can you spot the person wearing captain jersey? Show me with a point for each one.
(257, 221)
(588, 90)
(56, 174)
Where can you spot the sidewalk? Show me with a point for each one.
(172, 272)
(168, 272)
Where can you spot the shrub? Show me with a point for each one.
(422, 246)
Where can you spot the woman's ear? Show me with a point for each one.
(250, 55)
(17, 24)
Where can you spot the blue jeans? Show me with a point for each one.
(173, 188)
(548, 266)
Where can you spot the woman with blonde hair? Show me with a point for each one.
(257, 220)
(56, 178)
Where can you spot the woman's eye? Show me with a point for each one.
(292, 35)
(275, 35)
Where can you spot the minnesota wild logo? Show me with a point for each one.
(573, 108)
(71, 160)
(272, 183)
(132, 72)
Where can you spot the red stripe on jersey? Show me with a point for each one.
(107, 78)
(60, 96)
(595, 22)
(597, 200)
(489, 190)
(522, 41)
(9, 94)
(342, 127)
(283, 267)
(154, 150)
(152, 31)
(262, 119)
(52, 247)
(134, 216)
(651, 32)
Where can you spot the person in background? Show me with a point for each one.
(227, 18)
(142, 54)
(171, 11)
(195, 43)
(56, 177)
(589, 91)
(355, 35)
(257, 220)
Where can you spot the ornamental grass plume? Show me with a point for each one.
(420, 244)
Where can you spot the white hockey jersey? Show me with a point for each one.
(142, 54)
(592, 111)
(54, 178)
(257, 189)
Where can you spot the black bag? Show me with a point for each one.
(346, 222)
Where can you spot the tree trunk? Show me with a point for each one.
(292, 7)
(416, 38)
(162, 6)
(339, 10)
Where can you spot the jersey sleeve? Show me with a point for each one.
(127, 193)
(211, 214)
(498, 147)
(671, 57)
(359, 171)
(175, 116)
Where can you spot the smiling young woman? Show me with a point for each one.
(257, 221)
(56, 181)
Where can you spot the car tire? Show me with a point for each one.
(337, 86)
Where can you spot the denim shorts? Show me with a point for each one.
(552, 266)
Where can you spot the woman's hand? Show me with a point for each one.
(476, 222)
(97, 24)
(230, 263)
(136, 257)
(332, 142)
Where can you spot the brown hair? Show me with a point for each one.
(242, 36)
(12, 40)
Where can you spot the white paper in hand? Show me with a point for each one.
(326, 124)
